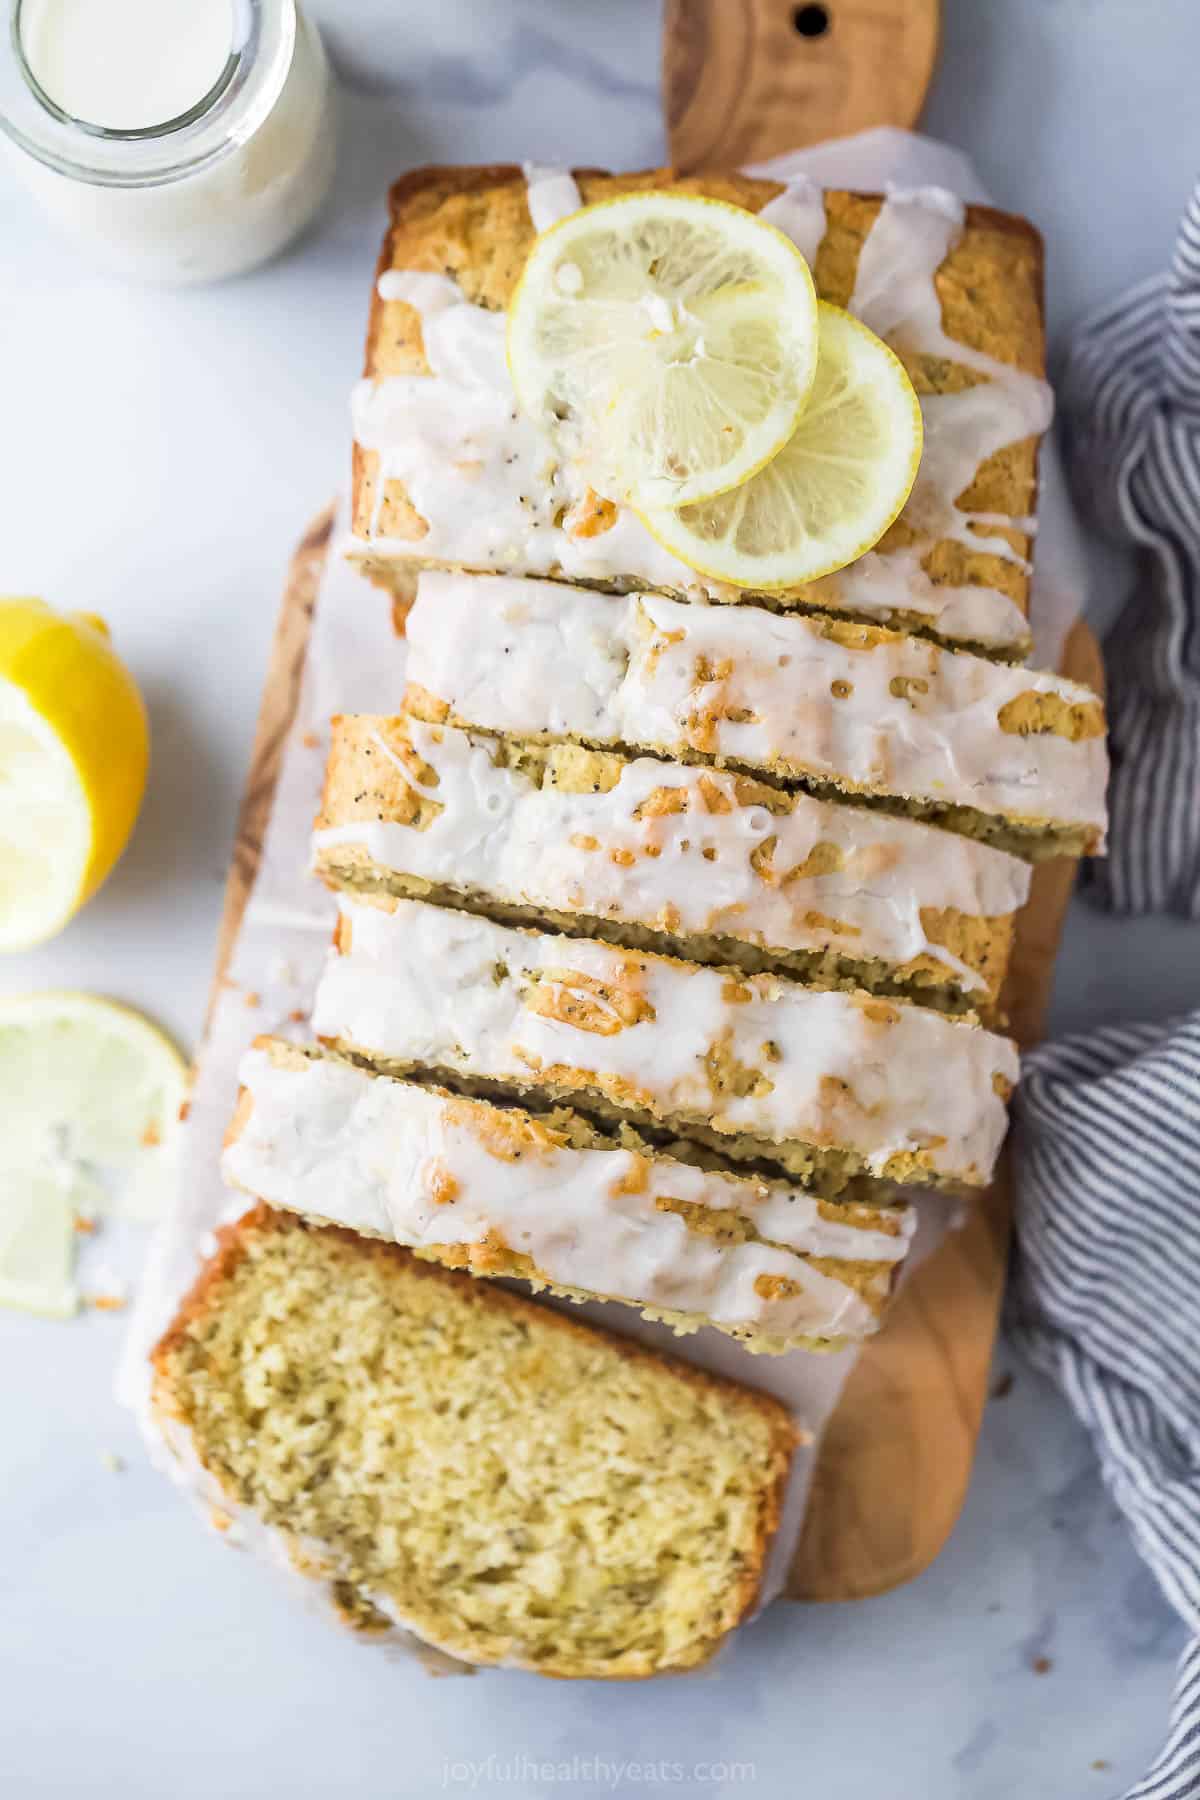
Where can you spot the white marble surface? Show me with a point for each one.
(158, 455)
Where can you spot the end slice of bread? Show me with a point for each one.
(444, 1457)
(446, 472)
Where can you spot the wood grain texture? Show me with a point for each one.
(896, 1456)
(742, 81)
(281, 693)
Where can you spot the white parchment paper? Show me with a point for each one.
(356, 664)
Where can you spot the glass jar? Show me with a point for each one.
(211, 192)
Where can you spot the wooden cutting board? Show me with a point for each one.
(896, 1456)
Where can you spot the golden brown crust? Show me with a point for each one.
(474, 224)
(234, 1240)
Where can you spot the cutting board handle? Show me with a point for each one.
(748, 79)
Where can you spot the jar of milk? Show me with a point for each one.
(176, 140)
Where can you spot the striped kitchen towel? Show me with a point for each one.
(1108, 1183)
(1129, 393)
(1107, 1145)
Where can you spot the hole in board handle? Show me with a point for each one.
(810, 21)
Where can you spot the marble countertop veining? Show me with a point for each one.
(160, 453)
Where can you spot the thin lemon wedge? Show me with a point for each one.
(832, 491)
(74, 747)
(670, 342)
(90, 1093)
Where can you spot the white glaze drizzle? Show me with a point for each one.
(622, 857)
(766, 690)
(495, 493)
(553, 195)
(894, 293)
(423, 1168)
(438, 989)
(488, 484)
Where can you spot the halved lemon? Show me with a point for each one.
(90, 1093)
(832, 491)
(671, 340)
(73, 752)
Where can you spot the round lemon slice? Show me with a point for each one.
(670, 340)
(835, 487)
(73, 754)
(89, 1098)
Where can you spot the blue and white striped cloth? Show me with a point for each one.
(1130, 400)
(1108, 1134)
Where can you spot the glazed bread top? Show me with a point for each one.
(859, 1081)
(668, 856)
(831, 701)
(551, 1198)
(446, 470)
(619, 1524)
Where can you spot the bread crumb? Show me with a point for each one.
(1002, 1386)
(112, 1462)
(1042, 1665)
(83, 1225)
(106, 1302)
(253, 999)
(310, 740)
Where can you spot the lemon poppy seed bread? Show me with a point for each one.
(445, 1457)
(554, 1199)
(703, 863)
(447, 473)
(832, 1086)
(1014, 756)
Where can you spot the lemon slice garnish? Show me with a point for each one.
(669, 339)
(89, 1100)
(835, 487)
(73, 753)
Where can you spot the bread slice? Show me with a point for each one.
(1009, 755)
(556, 1201)
(446, 472)
(684, 860)
(831, 1086)
(447, 1458)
